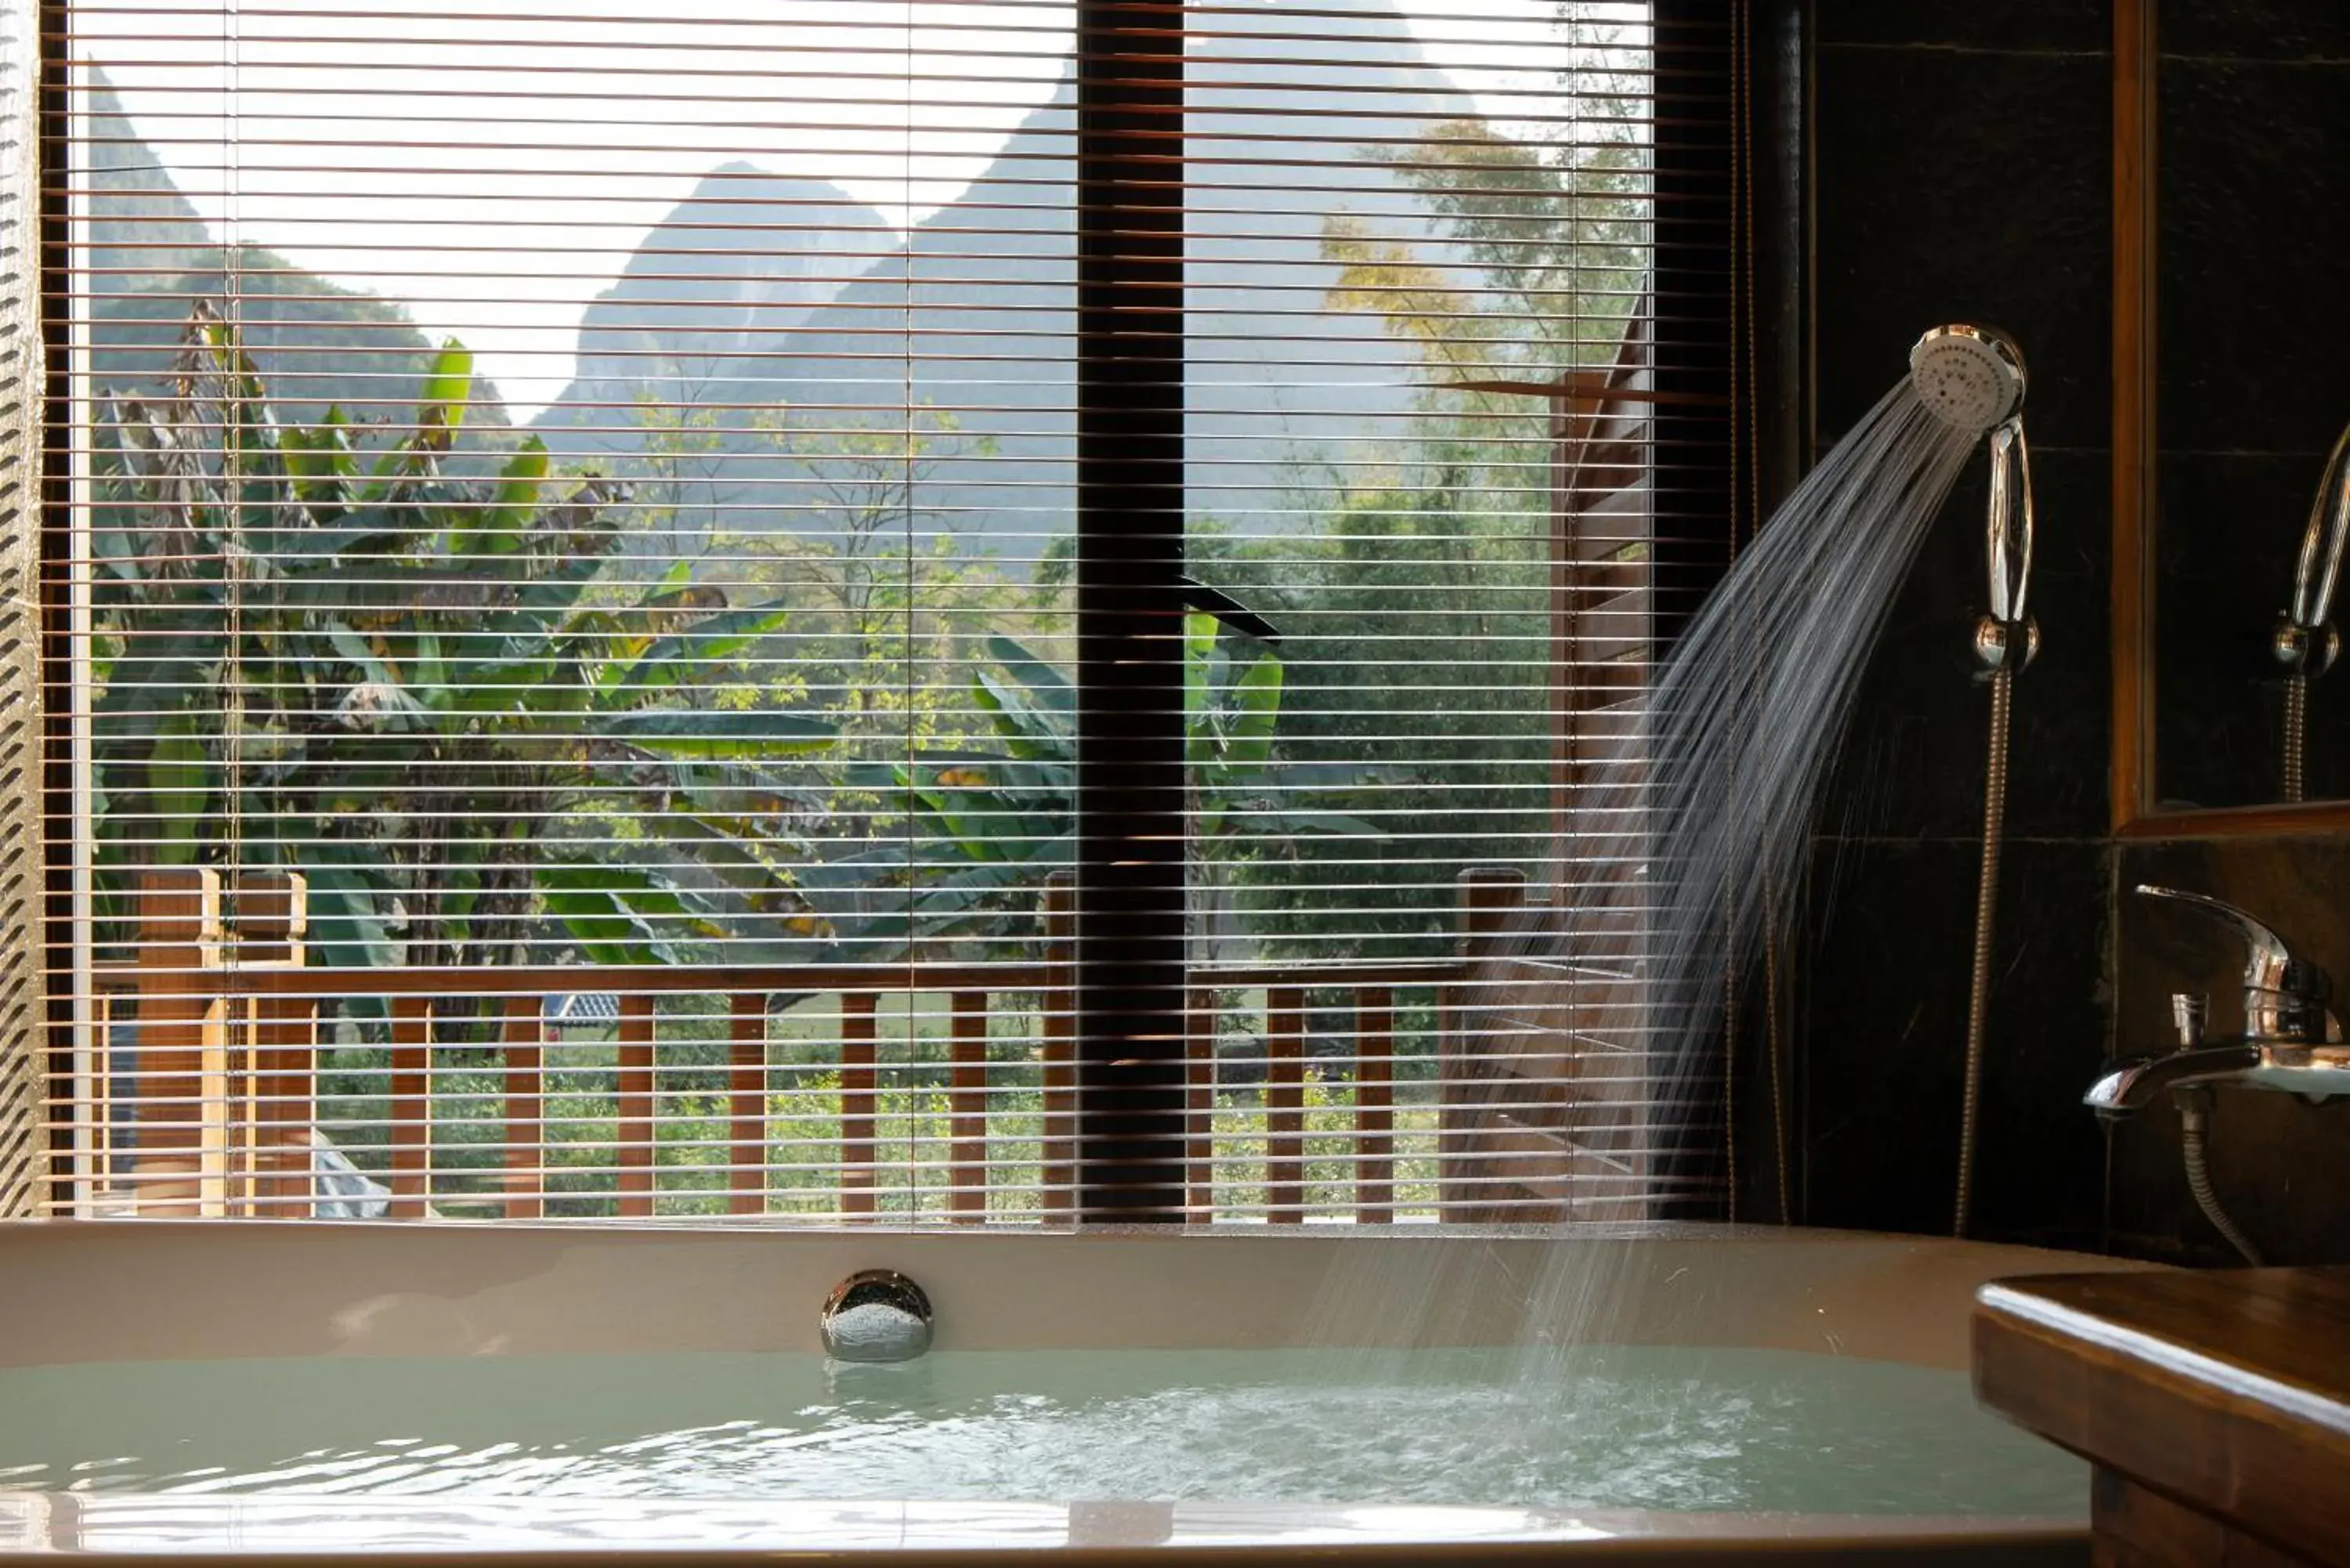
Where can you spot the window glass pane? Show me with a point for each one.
(574, 544)
(556, 484)
(1417, 231)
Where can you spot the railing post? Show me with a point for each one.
(524, 1037)
(967, 1109)
(1375, 1193)
(412, 1107)
(746, 1105)
(175, 1129)
(860, 1102)
(1200, 1103)
(273, 915)
(637, 1106)
(1060, 1030)
(1284, 1105)
(1489, 895)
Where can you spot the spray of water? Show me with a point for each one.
(1592, 1017)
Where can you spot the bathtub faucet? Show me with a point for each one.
(875, 1314)
(2290, 1041)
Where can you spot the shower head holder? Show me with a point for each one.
(2007, 638)
(2305, 650)
(2006, 644)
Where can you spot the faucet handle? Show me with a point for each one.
(2188, 1010)
(2285, 993)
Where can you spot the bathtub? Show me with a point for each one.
(139, 1305)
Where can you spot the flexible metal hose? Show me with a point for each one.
(2296, 725)
(2194, 1134)
(2003, 686)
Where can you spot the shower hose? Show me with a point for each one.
(2296, 724)
(2194, 1148)
(2003, 687)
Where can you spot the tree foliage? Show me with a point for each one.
(319, 652)
(991, 822)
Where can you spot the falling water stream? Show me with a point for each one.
(1704, 828)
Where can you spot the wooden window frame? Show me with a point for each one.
(1128, 979)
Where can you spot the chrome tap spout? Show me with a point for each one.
(2140, 1083)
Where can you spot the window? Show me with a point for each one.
(939, 608)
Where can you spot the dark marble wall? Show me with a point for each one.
(1960, 169)
(2254, 261)
(1960, 172)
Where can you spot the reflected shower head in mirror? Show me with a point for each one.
(1972, 377)
(2306, 641)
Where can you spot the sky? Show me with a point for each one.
(496, 175)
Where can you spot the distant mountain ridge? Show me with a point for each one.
(763, 291)
(975, 314)
(748, 253)
(151, 258)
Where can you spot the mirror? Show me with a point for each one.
(2248, 214)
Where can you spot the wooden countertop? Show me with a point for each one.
(2226, 1391)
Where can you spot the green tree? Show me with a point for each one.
(1423, 652)
(991, 822)
(318, 651)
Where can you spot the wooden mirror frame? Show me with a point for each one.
(2137, 66)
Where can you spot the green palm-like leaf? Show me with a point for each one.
(677, 659)
(501, 528)
(448, 390)
(1048, 687)
(604, 909)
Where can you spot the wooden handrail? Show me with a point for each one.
(327, 984)
(247, 1127)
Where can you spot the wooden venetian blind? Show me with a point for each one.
(954, 609)
(21, 385)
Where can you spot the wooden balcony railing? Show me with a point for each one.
(224, 1067)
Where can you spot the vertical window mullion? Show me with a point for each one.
(1695, 456)
(1130, 853)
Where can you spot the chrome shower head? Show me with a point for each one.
(1971, 377)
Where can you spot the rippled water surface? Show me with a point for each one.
(1636, 1428)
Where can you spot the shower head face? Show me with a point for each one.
(1970, 377)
